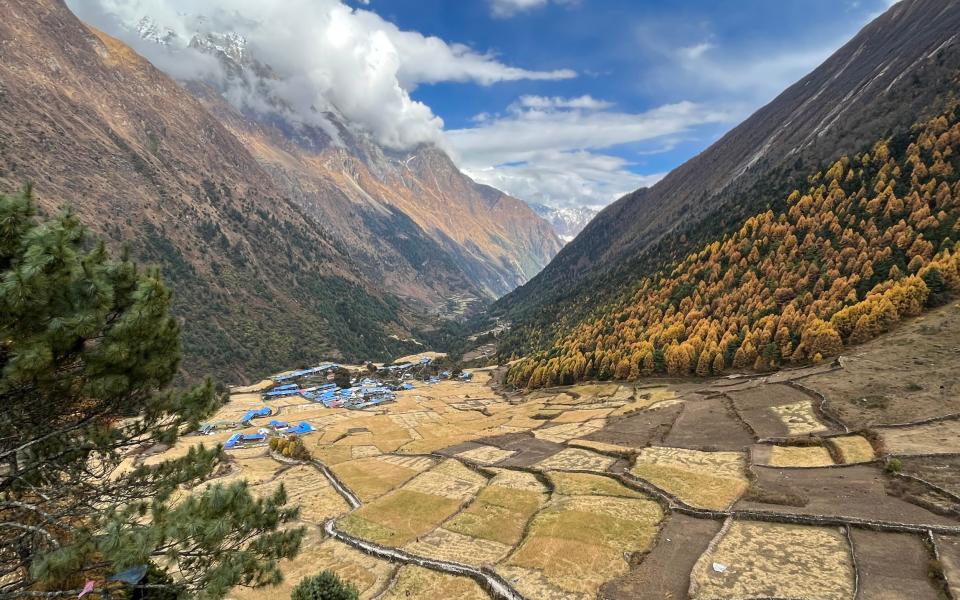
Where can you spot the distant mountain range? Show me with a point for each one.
(284, 242)
(567, 222)
(899, 70)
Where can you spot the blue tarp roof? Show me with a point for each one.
(275, 423)
(250, 414)
(301, 428)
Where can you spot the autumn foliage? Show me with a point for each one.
(870, 242)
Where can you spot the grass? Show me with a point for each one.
(371, 478)
(581, 542)
(800, 456)
(585, 484)
(577, 458)
(776, 560)
(695, 488)
(443, 544)
(419, 583)
(853, 449)
(498, 514)
(399, 517)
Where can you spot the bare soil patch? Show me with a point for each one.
(941, 437)
(901, 377)
(639, 429)
(529, 450)
(942, 471)
(857, 491)
(892, 566)
(949, 549)
(777, 411)
(708, 425)
(665, 571)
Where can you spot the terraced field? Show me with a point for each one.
(779, 486)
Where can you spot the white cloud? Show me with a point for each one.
(508, 8)
(586, 102)
(550, 150)
(325, 53)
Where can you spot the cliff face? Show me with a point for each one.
(900, 68)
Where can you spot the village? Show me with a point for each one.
(334, 386)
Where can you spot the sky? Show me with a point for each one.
(561, 102)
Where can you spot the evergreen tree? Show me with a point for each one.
(325, 586)
(88, 351)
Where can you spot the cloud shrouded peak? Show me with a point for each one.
(323, 55)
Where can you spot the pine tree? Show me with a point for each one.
(88, 351)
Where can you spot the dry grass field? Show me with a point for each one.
(713, 480)
(800, 456)
(526, 484)
(759, 560)
(417, 583)
(853, 449)
(578, 542)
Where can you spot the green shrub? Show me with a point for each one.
(325, 586)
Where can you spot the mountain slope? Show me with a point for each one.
(258, 282)
(867, 243)
(900, 67)
(365, 191)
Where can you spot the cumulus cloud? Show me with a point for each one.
(325, 55)
(551, 150)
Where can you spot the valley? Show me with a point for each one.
(828, 481)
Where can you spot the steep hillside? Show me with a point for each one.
(900, 67)
(259, 282)
(408, 214)
(868, 242)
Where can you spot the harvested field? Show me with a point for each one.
(799, 418)
(665, 571)
(449, 479)
(399, 517)
(579, 416)
(892, 566)
(708, 424)
(577, 459)
(486, 455)
(857, 491)
(585, 484)
(853, 449)
(933, 438)
(529, 450)
(777, 411)
(602, 447)
(499, 513)
(370, 478)
(800, 456)
(517, 480)
(704, 479)
(444, 544)
(639, 429)
(370, 575)
(579, 542)
(307, 487)
(907, 375)
(774, 560)
(417, 583)
(567, 431)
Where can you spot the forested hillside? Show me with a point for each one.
(871, 240)
(899, 69)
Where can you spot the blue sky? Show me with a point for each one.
(562, 102)
(636, 55)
